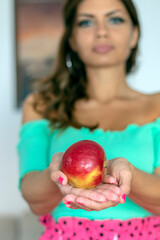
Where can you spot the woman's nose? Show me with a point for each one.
(102, 31)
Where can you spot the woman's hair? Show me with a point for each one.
(60, 91)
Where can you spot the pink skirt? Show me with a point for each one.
(70, 228)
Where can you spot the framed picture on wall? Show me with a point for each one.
(38, 31)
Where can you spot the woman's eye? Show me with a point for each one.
(116, 20)
(85, 23)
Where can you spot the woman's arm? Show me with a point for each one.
(41, 194)
(141, 187)
(38, 190)
(145, 189)
(28, 112)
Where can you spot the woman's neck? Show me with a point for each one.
(107, 84)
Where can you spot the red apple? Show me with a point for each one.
(83, 164)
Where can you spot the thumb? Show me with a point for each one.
(110, 179)
(56, 174)
(59, 177)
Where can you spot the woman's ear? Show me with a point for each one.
(134, 37)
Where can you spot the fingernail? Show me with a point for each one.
(124, 197)
(68, 202)
(60, 179)
(80, 203)
(68, 206)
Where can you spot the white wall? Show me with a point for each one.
(147, 79)
(10, 198)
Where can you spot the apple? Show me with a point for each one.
(83, 163)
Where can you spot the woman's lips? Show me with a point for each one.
(102, 48)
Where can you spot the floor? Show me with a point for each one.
(24, 228)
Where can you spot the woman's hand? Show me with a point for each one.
(103, 196)
(118, 173)
(121, 169)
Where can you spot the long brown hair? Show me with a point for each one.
(60, 91)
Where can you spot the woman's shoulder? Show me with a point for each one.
(147, 106)
(29, 111)
(152, 103)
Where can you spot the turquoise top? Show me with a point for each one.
(139, 144)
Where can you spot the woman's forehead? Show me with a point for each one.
(94, 6)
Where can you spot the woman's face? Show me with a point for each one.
(103, 34)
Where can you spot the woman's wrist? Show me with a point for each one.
(133, 170)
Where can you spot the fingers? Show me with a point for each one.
(93, 205)
(110, 195)
(81, 202)
(56, 175)
(101, 197)
(110, 179)
(111, 192)
(59, 177)
(101, 193)
(89, 193)
(70, 202)
(74, 202)
(56, 161)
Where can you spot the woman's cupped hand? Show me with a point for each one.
(115, 186)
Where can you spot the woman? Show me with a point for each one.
(88, 98)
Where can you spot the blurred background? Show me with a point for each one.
(16, 221)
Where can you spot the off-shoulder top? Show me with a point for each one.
(139, 144)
